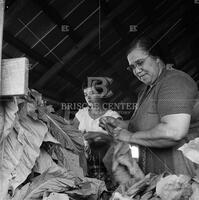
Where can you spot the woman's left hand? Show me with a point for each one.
(122, 135)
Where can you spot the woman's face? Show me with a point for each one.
(91, 96)
(145, 67)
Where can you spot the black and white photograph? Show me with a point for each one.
(99, 99)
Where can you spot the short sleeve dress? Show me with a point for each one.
(173, 92)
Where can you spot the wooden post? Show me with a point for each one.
(1, 33)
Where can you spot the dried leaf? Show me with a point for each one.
(120, 149)
(132, 166)
(153, 182)
(90, 187)
(68, 136)
(156, 198)
(44, 162)
(20, 193)
(140, 186)
(121, 174)
(147, 195)
(124, 166)
(191, 150)
(36, 96)
(118, 196)
(20, 148)
(71, 162)
(174, 187)
(57, 196)
(195, 188)
(8, 110)
(57, 181)
(124, 187)
(49, 138)
(30, 135)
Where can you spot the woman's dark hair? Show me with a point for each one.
(154, 48)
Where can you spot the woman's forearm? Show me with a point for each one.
(158, 143)
(160, 131)
(122, 124)
(160, 136)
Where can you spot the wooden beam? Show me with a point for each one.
(36, 56)
(1, 32)
(18, 44)
(57, 19)
(82, 44)
(94, 54)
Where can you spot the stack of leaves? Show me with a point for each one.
(21, 139)
(60, 182)
(158, 187)
(26, 125)
(70, 139)
(143, 189)
(68, 136)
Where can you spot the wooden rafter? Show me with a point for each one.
(57, 19)
(18, 44)
(93, 54)
(81, 45)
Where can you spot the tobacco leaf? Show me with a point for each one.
(44, 162)
(8, 111)
(67, 135)
(71, 162)
(140, 186)
(30, 135)
(90, 188)
(118, 196)
(19, 148)
(191, 150)
(147, 195)
(174, 187)
(195, 188)
(58, 181)
(57, 196)
(20, 193)
(124, 166)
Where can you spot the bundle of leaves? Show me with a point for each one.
(68, 136)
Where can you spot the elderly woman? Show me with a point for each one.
(162, 117)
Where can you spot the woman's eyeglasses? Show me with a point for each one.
(137, 64)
